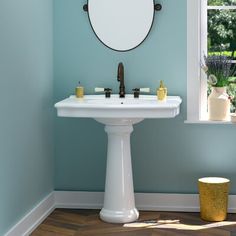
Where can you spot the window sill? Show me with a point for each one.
(209, 122)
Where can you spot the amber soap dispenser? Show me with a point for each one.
(79, 91)
(162, 92)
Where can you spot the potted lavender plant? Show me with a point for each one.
(219, 71)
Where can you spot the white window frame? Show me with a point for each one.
(196, 84)
(196, 47)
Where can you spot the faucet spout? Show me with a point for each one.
(120, 78)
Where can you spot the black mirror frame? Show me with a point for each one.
(157, 7)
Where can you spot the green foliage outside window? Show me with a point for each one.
(221, 2)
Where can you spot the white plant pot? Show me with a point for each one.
(219, 104)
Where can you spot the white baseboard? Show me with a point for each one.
(34, 218)
(78, 200)
(143, 201)
(94, 200)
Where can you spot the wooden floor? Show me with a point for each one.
(87, 223)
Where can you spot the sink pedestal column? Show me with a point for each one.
(119, 204)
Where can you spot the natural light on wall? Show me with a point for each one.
(211, 30)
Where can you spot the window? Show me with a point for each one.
(210, 24)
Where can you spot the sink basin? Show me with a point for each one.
(119, 115)
(97, 106)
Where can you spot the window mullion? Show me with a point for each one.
(221, 7)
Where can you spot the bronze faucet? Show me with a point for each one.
(120, 78)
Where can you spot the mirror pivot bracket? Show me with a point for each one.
(85, 7)
(157, 7)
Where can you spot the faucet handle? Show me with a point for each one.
(145, 90)
(106, 90)
(99, 89)
(138, 90)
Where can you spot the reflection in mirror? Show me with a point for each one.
(121, 25)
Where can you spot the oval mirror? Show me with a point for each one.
(121, 25)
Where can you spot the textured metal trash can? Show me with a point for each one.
(213, 196)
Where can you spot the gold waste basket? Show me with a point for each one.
(213, 196)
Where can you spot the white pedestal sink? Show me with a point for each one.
(119, 115)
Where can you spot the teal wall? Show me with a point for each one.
(26, 107)
(168, 155)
